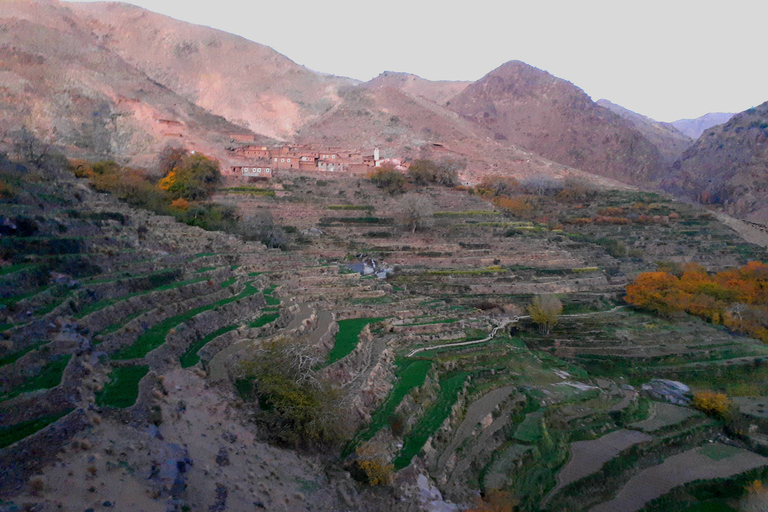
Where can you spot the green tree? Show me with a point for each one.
(388, 178)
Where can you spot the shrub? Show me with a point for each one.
(388, 179)
(713, 404)
(298, 405)
(180, 204)
(375, 468)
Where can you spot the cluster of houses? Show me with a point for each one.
(263, 162)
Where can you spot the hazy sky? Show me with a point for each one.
(668, 59)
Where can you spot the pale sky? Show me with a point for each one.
(668, 59)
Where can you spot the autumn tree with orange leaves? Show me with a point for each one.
(736, 298)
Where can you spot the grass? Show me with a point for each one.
(49, 377)
(228, 282)
(12, 358)
(467, 213)
(10, 269)
(481, 271)
(410, 374)
(251, 191)
(263, 320)
(349, 207)
(97, 306)
(433, 417)
(530, 430)
(122, 390)
(155, 335)
(190, 357)
(347, 337)
(719, 451)
(13, 433)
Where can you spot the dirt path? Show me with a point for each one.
(506, 322)
(675, 471)
(748, 232)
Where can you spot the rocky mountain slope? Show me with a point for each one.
(440, 91)
(248, 83)
(57, 79)
(668, 140)
(552, 117)
(728, 165)
(693, 128)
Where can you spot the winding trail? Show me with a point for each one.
(506, 322)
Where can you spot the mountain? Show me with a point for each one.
(440, 91)
(530, 108)
(58, 80)
(670, 141)
(247, 83)
(728, 165)
(693, 128)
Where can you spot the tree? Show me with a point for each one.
(262, 227)
(416, 211)
(544, 310)
(170, 159)
(28, 148)
(194, 179)
(388, 178)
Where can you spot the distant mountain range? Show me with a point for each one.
(728, 165)
(693, 128)
(107, 80)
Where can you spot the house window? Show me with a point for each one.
(275, 159)
(333, 156)
(289, 160)
(282, 159)
(245, 169)
(258, 170)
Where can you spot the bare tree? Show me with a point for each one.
(415, 211)
(30, 149)
(544, 310)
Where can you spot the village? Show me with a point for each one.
(263, 162)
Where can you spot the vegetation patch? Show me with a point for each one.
(347, 337)
(155, 335)
(49, 377)
(433, 417)
(190, 357)
(122, 390)
(13, 433)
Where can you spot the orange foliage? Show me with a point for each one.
(736, 298)
(713, 404)
(612, 220)
(180, 204)
(611, 212)
(167, 182)
(495, 501)
(514, 205)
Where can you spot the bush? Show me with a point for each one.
(388, 179)
(297, 405)
(713, 404)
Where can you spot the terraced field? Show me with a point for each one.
(126, 319)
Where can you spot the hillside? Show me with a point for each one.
(668, 140)
(728, 165)
(58, 80)
(136, 350)
(438, 91)
(694, 128)
(248, 83)
(530, 108)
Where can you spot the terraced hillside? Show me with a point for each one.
(127, 338)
